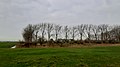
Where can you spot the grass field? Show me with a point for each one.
(61, 57)
(7, 44)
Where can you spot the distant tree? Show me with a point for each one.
(103, 30)
(114, 34)
(81, 31)
(110, 33)
(36, 28)
(73, 32)
(49, 29)
(117, 32)
(88, 29)
(28, 33)
(96, 31)
(66, 32)
(57, 29)
(42, 31)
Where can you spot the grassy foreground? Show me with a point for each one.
(61, 57)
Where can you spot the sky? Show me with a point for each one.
(17, 14)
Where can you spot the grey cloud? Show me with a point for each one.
(16, 14)
(88, 11)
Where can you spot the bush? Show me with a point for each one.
(98, 42)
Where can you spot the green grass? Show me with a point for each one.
(7, 44)
(61, 57)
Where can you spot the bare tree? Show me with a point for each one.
(88, 29)
(115, 33)
(42, 31)
(49, 29)
(110, 33)
(73, 32)
(104, 30)
(66, 31)
(36, 28)
(81, 30)
(118, 33)
(28, 33)
(57, 29)
(96, 31)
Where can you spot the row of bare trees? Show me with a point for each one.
(83, 32)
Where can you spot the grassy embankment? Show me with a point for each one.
(7, 44)
(61, 57)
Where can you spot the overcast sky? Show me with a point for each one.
(16, 14)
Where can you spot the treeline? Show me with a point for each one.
(83, 33)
